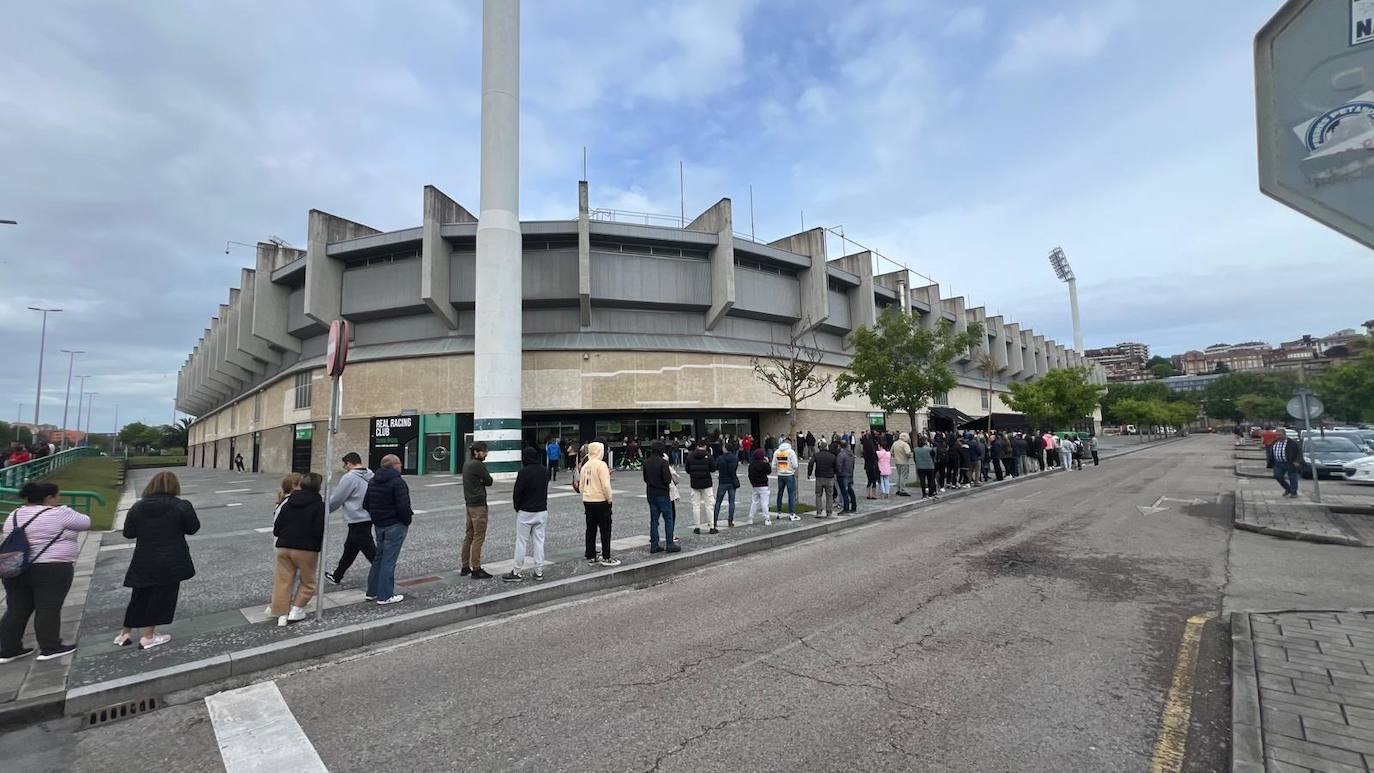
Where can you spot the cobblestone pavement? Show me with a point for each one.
(1268, 512)
(1315, 692)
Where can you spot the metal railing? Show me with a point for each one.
(82, 501)
(17, 475)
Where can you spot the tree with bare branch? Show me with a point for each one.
(790, 373)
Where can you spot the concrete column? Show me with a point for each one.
(219, 334)
(1042, 362)
(435, 254)
(323, 274)
(1016, 362)
(931, 295)
(899, 282)
(904, 296)
(815, 282)
(719, 220)
(254, 346)
(271, 301)
(237, 354)
(863, 307)
(979, 315)
(584, 253)
(956, 305)
(997, 342)
(498, 326)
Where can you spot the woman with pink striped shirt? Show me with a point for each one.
(51, 528)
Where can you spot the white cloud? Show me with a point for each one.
(1065, 36)
(967, 22)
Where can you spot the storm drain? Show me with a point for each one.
(115, 713)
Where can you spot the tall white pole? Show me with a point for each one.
(1077, 326)
(80, 400)
(66, 402)
(497, 328)
(90, 410)
(42, 344)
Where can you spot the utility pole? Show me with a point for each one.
(66, 401)
(42, 343)
(1060, 261)
(80, 400)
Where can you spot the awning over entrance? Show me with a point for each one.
(1006, 422)
(946, 419)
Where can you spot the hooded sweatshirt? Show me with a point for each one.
(596, 476)
(531, 494)
(759, 469)
(785, 460)
(348, 493)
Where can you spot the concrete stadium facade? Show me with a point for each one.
(628, 329)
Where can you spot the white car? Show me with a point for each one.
(1360, 470)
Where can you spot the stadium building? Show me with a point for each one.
(628, 329)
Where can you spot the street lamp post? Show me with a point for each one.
(1060, 261)
(66, 402)
(114, 439)
(90, 410)
(42, 343)
(80, 400)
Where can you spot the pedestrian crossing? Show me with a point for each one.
(257, 733)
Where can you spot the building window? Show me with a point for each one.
(257, 407)
(940, 398)
(302, 390)
(987, 401)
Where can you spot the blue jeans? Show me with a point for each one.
(787, 483)
(849, 501)
(721, 492)
(381, 580)
(660, 506)
(1287, 476)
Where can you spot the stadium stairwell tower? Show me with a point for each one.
(497, 325)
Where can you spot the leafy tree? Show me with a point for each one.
(1221, 367)
(899, 365)
(989, 367)
(140, 436)
(1222, 393)
(12, 433)
(175, 435)
(789, 372)
(1347, 389)
(1261, 407)
(1163, 370)
(1059, 399)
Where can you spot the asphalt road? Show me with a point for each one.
(1033, 628)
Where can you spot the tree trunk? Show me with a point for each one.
(792, 418)
(912, 416)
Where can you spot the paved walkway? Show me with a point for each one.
(1266, 511)
(1304, 691)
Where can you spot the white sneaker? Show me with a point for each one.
(794, 517)
(393, 600)
(609, 562)
(281, 621)
(767, 522)
(296, 615)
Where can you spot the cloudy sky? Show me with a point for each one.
(963, 139)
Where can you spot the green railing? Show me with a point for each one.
(80, 500)
(16, 476)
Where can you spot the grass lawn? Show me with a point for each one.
(94, 474)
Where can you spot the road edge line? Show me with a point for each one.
(1172, 744)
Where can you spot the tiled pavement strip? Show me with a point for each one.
(238, 629)
(1304, 691)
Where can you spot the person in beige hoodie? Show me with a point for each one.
(594, 481)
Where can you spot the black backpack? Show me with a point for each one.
(14, 551)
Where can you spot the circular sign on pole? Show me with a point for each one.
(1314, 407)
(1314, 89)
(336, 353)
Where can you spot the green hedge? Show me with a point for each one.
(145, 462)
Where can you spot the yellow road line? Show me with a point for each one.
(1178, 707)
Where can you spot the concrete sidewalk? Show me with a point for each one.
(1303, 691)
(1268, 512)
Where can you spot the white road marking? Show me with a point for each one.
(117, 546)
(256, 731)
(234, 491)
(234, 504)
(450, 483)
(264, 530)
(420, 512)
(240, 481)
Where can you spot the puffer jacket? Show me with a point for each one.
(699, 468)
(160, 524)
(844, 463)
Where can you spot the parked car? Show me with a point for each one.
(1365, 443)
(1329, 456)
(1360, 470)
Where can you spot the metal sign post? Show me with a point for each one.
(1307, 407)
(336, 357)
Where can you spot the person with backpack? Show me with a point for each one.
(37, 563)
(299, 529)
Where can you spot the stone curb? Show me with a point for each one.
(1246, 472)
(161, 682)
(1239, 522)
(1247, 740)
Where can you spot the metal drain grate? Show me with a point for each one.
(120, 711)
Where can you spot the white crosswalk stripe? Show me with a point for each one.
(257, 733)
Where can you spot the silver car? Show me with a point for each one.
(1329, 456)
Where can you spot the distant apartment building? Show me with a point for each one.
(1123, 362)
(1310, 353)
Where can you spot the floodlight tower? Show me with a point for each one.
(1060, 261)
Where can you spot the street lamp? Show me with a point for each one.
(90, 410)
(66, 402)
(42, 343)
(80, 400)
(1060, 261)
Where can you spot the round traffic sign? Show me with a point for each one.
(1314, 407)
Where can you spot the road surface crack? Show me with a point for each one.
(963, 587)
(684, 669)
(707, 730)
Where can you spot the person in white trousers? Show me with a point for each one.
(531, 499)
(759, 470)
(698, 467)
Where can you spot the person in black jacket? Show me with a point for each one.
(158, 523)
(388, 502)
(869, 443)
(299, 529)
(531, 500)
(824, 466)
(759, 470)
(658, 476)
(699, 470)
(1285, 455)
(727, 482)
